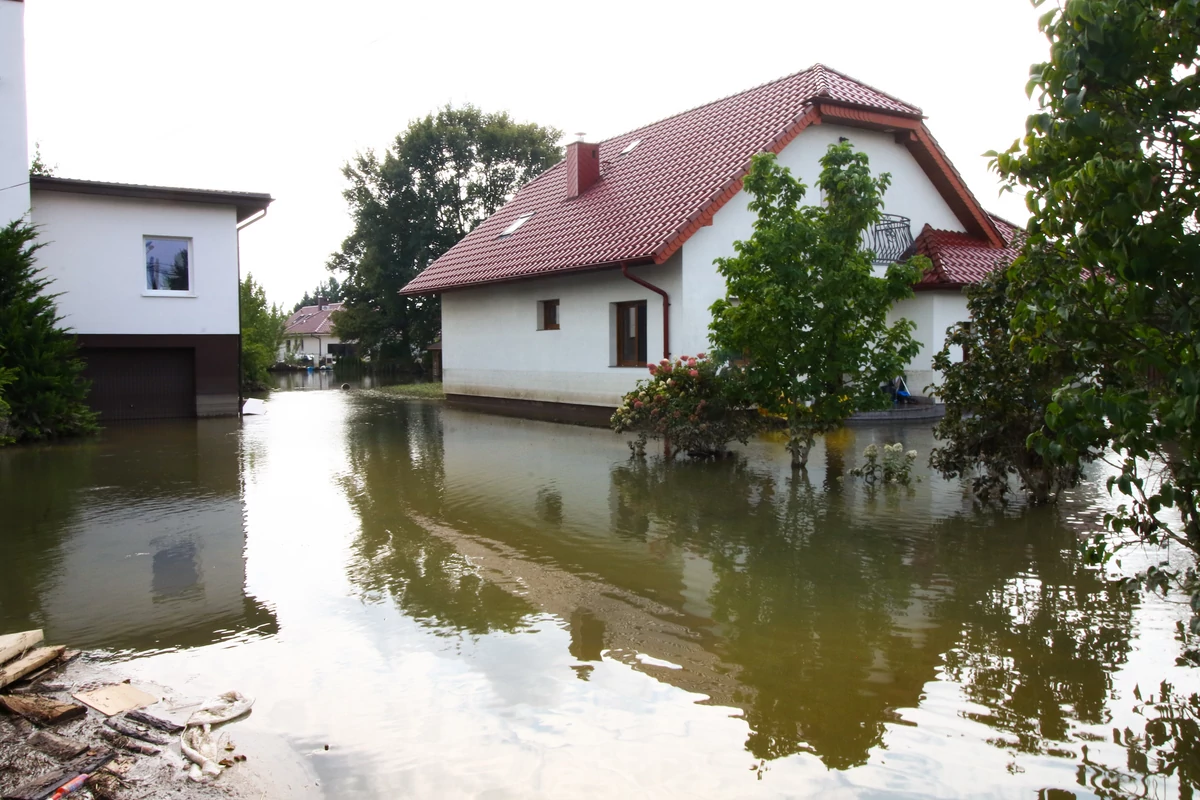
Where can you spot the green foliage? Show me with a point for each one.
(329, 291)
(803, 305)
(996, 398)
(7, 376)
(262, 333)
(45, 393)
(894, 468)
(690, 403)
(1112, 181)
(38, 165)
(441, 177)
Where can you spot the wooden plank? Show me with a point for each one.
(135, 731)
(46, 710)
(154, 722)
(13, 644)
(28, 663)
(59, 747)
(125, 743)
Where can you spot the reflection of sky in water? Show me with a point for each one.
(469, 605)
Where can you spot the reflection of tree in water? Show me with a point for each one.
(838, 621)
(396, 465)
(40, 488)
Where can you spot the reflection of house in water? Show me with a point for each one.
(821, 612)
(150, 538)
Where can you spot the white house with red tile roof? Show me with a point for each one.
(605, 261)
(309, 330)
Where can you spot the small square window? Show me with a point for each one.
(168, 264)
(548, 315)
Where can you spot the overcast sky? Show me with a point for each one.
(273, 96)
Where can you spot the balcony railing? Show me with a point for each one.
(889, 238)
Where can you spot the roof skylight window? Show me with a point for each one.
(516, 223)
(629, 147)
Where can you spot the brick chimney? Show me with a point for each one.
(583, 167)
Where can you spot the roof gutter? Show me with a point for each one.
(253, 218)
(666, 307)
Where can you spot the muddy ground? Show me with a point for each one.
(271, 769)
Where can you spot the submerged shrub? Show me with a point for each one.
(895, 467)
(690, 403)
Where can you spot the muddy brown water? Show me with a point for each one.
(461, 605)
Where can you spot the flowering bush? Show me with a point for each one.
(690, 403)
(896, 466)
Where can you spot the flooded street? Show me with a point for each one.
(462, 605)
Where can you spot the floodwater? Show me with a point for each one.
(462, 605)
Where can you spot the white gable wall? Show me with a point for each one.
(95, 256)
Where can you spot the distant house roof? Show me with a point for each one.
(311, 321)
(247, 203)
(681, 170)
(959, 259)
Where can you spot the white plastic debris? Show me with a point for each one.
(223, 708)
(203, 750)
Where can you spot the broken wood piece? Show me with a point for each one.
(27, 663)
(46, 710)
(154, 722)
(60, 747)
(134, 731)
(48, 783)
(115, 699)
(125, 743)
(13, 644)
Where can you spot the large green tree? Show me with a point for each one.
(46, 393)
(441, 177)
(262, 332)
(803, 306)
(1110, 167)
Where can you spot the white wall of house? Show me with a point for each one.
(492, 345)
(96, 257)
(14, 144)
(933, 311)
(310, 344)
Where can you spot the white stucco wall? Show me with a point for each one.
(312, 345)
(14, 144)
(491, 344)
(933, 312)
(95, 255)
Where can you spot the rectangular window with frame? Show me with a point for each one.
(168, 264)
(548, 315)
(631, 334)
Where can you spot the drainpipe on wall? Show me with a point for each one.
(666, 307)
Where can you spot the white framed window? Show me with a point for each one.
(547, 315)
(168, 266)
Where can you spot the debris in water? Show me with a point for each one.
(115, 699)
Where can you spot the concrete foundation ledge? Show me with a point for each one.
(576, 414)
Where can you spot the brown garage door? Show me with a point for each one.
(141, 383)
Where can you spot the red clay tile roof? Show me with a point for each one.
(960, 259)
(684, 168)
(311, 321)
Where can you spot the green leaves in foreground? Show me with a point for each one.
(804, 311)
